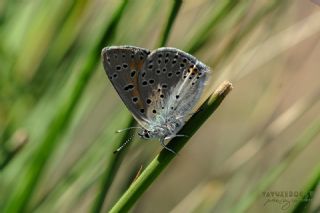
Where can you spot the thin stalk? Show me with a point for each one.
(22, 194)
(114, 163)
(13, 146)
(176, 5)
(205, 31)
(162, 160)
(60, 46)
(302, 142)
(110, 171)
(305, 202)
(88, 160)
(243, 32)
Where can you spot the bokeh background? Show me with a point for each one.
(59, 112)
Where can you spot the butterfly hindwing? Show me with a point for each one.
(171, 83)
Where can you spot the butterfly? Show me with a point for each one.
(160, 88)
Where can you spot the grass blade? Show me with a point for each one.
(110, 171)
(25, 188)
(176, 5)
(302, 142)
(304, 204)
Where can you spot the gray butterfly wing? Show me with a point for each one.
(171, 83)
(123, 65)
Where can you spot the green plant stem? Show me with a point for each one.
(60, 46)
(114, 163)
(304, 204)
(176, 5)
(302, 142)
(205, 31)
(26, 186)
(162, 160)
(243, 32)
(111, 170)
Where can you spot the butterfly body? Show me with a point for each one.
(160, 88)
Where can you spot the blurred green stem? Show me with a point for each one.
(162, 160)
(204, 33)
(243, 32)
(312, 186)
(25, 188)
(176, 5)
(111, 170)
(302, 142)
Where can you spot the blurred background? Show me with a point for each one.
(59, 113)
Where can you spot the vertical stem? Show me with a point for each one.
(312, 186)
(176, 5)
(302, 142)
(114, 163)
(25, 188)
(203, 34)
(111, 171)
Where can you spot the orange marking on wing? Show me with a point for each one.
(193, 70)
(132, 65)
(140, 64)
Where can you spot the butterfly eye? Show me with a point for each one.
(146, 134)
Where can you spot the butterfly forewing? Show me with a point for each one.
(123, 65)
(171, 83)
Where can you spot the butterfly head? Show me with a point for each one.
(151, 134)
(145, 134)
(164, 130)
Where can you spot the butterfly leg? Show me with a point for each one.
(164, 146)
(173, 136)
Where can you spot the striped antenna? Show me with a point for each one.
(123, 145)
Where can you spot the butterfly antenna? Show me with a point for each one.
(122, 130)
(123, 145)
